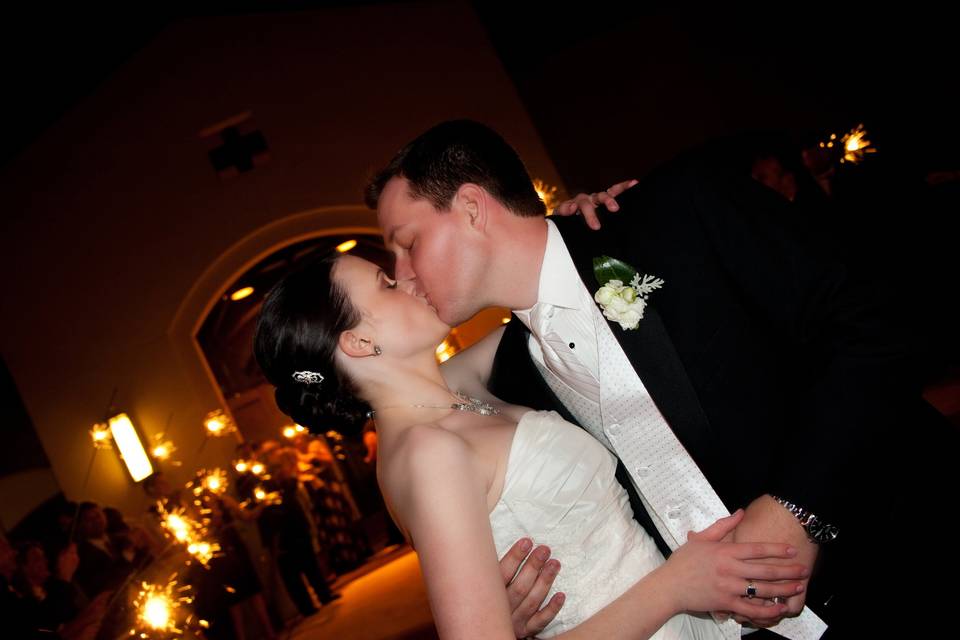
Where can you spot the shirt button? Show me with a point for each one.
(614, 429)
(572, 345)
(643, 472)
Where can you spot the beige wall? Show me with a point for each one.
(119, 235)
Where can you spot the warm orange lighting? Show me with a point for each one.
(506, 320)
(188, 532)
(242, 466)
(856, 145)
(156, 611)
(445, 351)
(343, 247)
(218, 423)
(265, 497)
(100, 435)
(214, 481)
(257, 469)
(449, 347)
(163, 449)
(240, 294)
(158, 608)
(131, 449)
(177, 524)
(203, 551)
(293, 430)
(548, 194)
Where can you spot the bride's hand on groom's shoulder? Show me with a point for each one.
(587, 203)
(527, 588)
(709, 573)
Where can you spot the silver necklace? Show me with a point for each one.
(468, 404)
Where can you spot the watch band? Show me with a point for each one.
(817, 530)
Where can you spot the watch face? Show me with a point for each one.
(830, 533)
(824, 533)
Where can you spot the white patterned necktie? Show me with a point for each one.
(557, 356)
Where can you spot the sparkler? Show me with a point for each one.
(266, 497)
(163, 450)
(188, 532)
(218, 424)
(852, 147)
(293, 431)
(548, 194)
(161, 609)
(214, 481)
(100, 435)
(856, 145)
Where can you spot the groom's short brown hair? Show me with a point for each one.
(452, 153)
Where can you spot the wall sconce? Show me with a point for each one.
(131, 449)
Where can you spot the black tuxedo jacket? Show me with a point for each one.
(776, 371)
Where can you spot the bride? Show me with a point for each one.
(464, 474)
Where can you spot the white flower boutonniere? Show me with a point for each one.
(622, 303)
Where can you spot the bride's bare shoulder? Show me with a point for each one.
(425, 454)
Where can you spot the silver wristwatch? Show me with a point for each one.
(817, 530)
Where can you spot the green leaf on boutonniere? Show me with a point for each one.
(606, 269)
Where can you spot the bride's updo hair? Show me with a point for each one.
(298, 330)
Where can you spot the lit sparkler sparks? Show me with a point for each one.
(548, 194)
(163, 450)
(214, 481)
(160, 609)
(218, 423)
(100, 434)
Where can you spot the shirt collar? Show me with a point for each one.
(559, 278)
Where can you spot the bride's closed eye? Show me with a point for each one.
(390, 285)
(383, 278)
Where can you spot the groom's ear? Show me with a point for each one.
(471, 201)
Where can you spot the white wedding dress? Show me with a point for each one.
(560, 490)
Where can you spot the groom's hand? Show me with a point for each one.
(527, 589)
(587, 203)
(766, 520)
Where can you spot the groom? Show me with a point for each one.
(758, 375)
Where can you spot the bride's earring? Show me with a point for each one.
(376, 348)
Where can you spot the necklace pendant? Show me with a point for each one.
(474, 406)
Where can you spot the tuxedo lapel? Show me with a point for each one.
(648, 347)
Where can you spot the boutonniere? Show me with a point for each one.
(622, 303)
